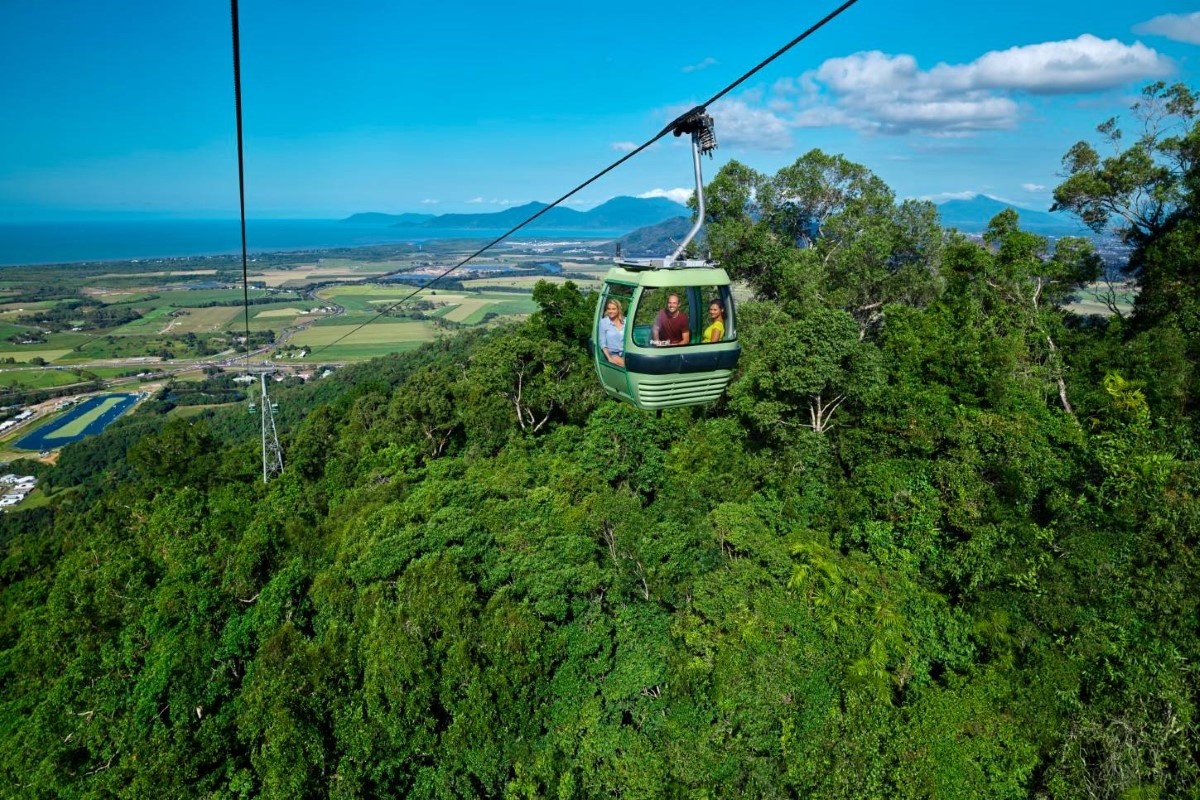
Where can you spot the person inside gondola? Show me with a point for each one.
(671, 326)
(612, 333)
(715, 332)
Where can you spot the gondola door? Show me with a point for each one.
(610, 366)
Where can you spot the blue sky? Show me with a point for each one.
(126, 107)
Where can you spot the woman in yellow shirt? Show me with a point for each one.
(715, 332)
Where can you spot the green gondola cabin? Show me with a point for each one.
(640, 362)
(664, 332)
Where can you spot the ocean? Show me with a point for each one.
(73, 242)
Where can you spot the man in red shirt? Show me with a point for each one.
(671, 327)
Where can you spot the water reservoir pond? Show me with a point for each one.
(86, 419)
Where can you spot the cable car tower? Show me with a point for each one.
(272, 453)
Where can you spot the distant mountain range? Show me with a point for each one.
(972, 216)
(618, 214)
(667, 220)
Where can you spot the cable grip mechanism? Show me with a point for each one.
(699, 124)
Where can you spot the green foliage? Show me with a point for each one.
(824, 231)
(1145, 185)
(940, 540)
(800, 371)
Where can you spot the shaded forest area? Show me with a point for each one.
(939, 539)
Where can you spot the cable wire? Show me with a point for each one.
(237, 99)
(668, 129)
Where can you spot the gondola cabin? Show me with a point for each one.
(664, 333)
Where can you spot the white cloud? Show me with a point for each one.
(1176, 27)
(428, 201)
(891, 94)
(705, 64)
(942, 197)
(1033, 187)
(882, 93)
(822, 116)
(475, 200)
(1083, 64)
(678, 195)
(741, 125)
(623, 147)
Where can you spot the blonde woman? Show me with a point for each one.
(612, 333)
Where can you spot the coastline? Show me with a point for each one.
(65, 243)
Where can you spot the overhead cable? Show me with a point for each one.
(677, 124)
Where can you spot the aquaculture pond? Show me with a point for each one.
(87, 419)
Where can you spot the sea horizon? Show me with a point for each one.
(74, 242)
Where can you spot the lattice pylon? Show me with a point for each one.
(272, 453)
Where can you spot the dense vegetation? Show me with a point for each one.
(939, 540)
(84, 314)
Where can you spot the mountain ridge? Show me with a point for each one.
(619, 213)
(969, 215)
(972, 215)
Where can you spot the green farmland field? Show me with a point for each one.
(364, 299)
(192, 298)
(377, 339)
(164, 320)
(465, 307)
(376, 333)
(1090, 299)
(24, 354)
(37, 378)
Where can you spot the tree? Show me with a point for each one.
(425, 408)
(182, 454)
(1145, 186)
(536, 376)
(1148, 193)
(1036, 285)
(564, 312)
(541, 368)
(824, 232)
(798, 372)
